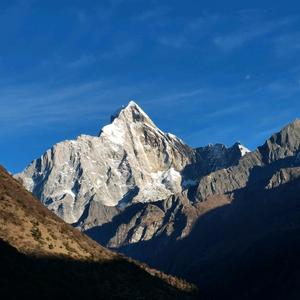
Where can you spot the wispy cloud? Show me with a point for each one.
(38, 106)
(120, 50)
(287, 45)
(229, 110)
(204, 24)
(117, 51)
(83, 61)
(152, 14)
(248, 32)
(180, 96)
(283, 87)
(246, 26)
(189, 31)
(101, 11)
(172, 41)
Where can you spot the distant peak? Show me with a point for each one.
(296, 122)
(131, 106)
(243, 150)
(131, 113)
(132, 103)
(288, 129)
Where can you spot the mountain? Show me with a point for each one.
(224, 218)
(279, 151)
(249, 248)
(236, 236)
(90, 180)
(130, 161)
(44, 258)
(241, 226)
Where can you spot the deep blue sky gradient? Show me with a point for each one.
(207, 71)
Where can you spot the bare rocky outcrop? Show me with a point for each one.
(281, 150)
(89, 180)
(130, 161)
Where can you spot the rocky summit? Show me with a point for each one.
(89, 180)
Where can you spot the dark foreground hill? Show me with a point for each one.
(41, 257)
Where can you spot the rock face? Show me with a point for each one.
(91, 179)
(239, 230)
(280, 151)
(248, 248)
(160, 223)
(130, 161)
(196, 213)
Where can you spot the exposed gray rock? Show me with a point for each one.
(283, 176)
(131, 161)
(280, 149)
(90, 180)
(160, 223)
(190, 212)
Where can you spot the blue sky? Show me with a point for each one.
(207, 71)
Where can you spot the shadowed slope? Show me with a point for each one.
(43, 257)
(248, 249)
(30, 277)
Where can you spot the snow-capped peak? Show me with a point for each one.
(132, 103)
(132, 112)
(124, 118)
(242, 149)
(130, 159)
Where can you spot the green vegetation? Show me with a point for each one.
(36, 233)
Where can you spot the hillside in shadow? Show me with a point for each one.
(27, 277)
(248, 249)
(42, 257)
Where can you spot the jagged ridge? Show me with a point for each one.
(130, 161)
